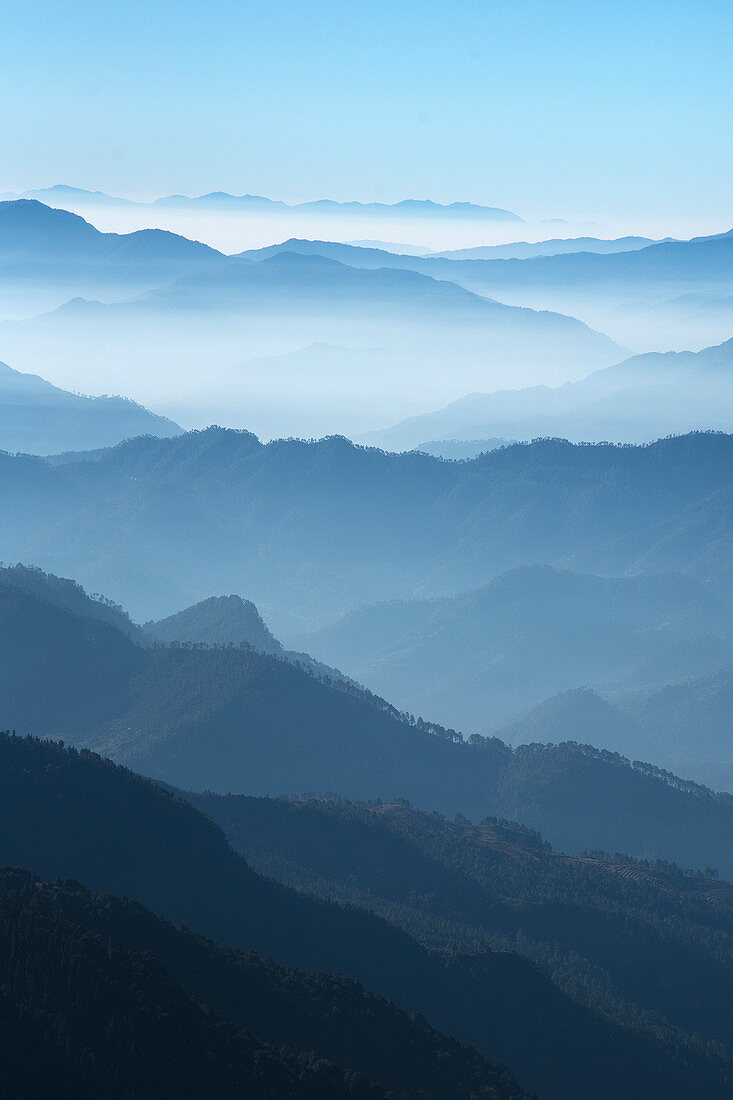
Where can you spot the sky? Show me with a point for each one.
(610, 111)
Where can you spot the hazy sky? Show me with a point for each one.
(581, 110)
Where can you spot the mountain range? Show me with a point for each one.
(61, 195)
(524, 250)
(635, 401)
(686, 284)
(139, 522)
(179, 336)
(484, 657)
(38, 417)
(74, 815)
(233, 719)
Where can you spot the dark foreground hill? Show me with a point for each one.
(75, 815)
(85, 1014)
(103, 998)
(310, 530)
(624, 936)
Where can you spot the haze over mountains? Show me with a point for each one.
(679, 289)
(40, 418)
(484, 657)
(233, 222)
(430, 715)
(633, 402)
(138, 522)
(190, 335)
(48, 256)
(248, 340)
(248, 203)
(366, 552)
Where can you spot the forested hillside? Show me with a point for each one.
(310, 530)
(137, 1007)
(65, 815)
(634, 939)
(232, 719)
(219, 620)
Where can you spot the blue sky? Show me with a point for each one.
(581, 110)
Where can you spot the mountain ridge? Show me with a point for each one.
(632, 402)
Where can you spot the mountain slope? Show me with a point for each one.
(34, 234)
(683, 725)
(219, 620)
(482, 658)
(39, 418)
(611, 930)
(69, 814)
(88, 819)
(236, 720)
(48, 256)
(86, 1013)
(70, 596)
(635, 401)
(139, 522)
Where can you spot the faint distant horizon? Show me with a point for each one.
(235, 231)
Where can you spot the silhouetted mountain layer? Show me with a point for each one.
(86, 1013)
(39, 418)
(639, 296)
(310, 530)
(611, 930)
(635, 401)
(36, 240)
(233, 719)
(323, 299)
(482, 658)
(221, 201)
(522, 250)
(48, 256)
(683, 725)
(702, 261)
(77, 815)
(68, 595)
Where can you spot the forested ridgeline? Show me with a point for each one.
(644, 942)
(235, 720)
(68, 814)
(116, 1001)
(157, 523)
